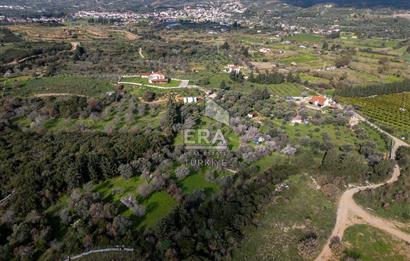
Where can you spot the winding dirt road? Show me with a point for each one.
(52, 94)
(350, 213)
(95, 251)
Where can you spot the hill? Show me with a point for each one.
(399, 4)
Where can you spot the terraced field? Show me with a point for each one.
(78, 85)
(390, 111)
(144, 81)
(286, 89)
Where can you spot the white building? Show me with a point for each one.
(232, 68)
(297, 120)
(156, 78)
(265, 50)
(188, 100)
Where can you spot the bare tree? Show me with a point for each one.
(181, 172)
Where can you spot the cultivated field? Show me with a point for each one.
(71, 32)
(369, 244)
(63, 84)
(389, 111)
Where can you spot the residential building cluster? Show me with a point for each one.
(27, 20)
(216, 11)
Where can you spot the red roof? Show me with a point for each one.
(318, 99)
(160, 81)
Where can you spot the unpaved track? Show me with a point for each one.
(51, 94)
(350, 213)
(95, 251)
(6, 199)
(141, 54)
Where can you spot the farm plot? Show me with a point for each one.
(308, 38)
(144, 82)
(390, 111)
(286, 89)
(67, 84)
(363, 242)
(301, 58)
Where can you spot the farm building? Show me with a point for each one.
(320, 101)
(230, 68)
(155, 77)
(265, 50)
(188, 100)
(252, 115)
(297, 120)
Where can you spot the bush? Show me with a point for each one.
(181, 172)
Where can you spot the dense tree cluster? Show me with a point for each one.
(21, 50)
(210, 229)
(380, 89)
(273, 77)
(393, 199)
(7, 36)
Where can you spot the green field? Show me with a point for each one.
(116, 188)
(196, 182)
(286, 89)
(338, 135)
(301, 58)
(158, 205)
(139, 91)
(301, 38)
(385, 111)
(144, 81)
(393, 210)
(286, 221)
(267, 162)
(313, 79)
(77, 85)
(369, 244)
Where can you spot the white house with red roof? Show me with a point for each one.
(320, 101)
(155, 77)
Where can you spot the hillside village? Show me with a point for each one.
(237, 130)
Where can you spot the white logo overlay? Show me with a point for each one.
(208, 139)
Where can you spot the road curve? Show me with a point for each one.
(6, 199)
(52, 94)
(95, 251)
(350, 213)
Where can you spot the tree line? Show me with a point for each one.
(379, 89)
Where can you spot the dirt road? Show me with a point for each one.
(350, 213)
(6, 199)
(57, 94)
(95, 251)
(141, 54)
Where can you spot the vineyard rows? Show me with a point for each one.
(391, 110)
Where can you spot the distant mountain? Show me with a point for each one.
(62, 7)
(399, 4)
